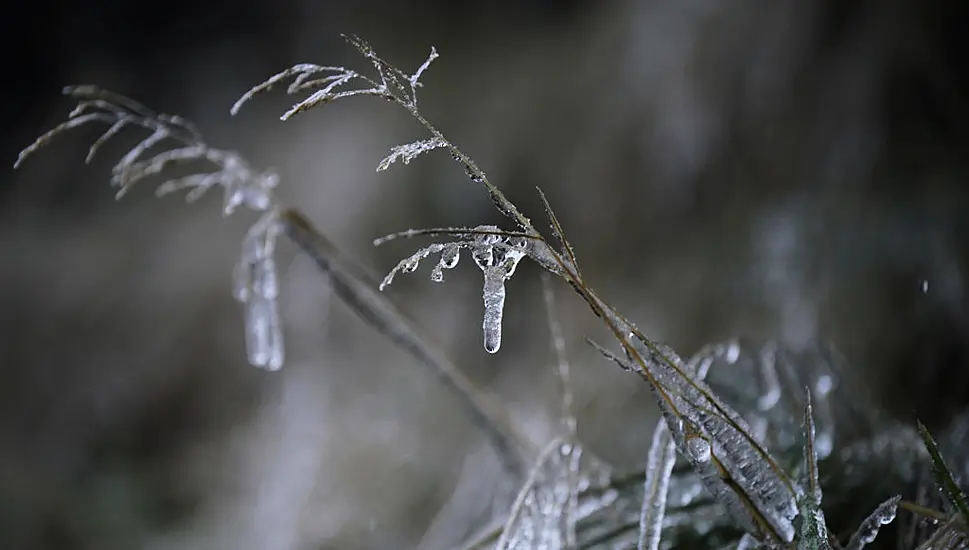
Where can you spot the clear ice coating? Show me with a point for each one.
(699, 449)
(494, 304)
(868, 530)
(497, 257)
(410, 151)
(543, 514)
(738, 471)
(659, 468)
(256, 286)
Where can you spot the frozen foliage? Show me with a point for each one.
(732, 465)
(868, 530)
(811, 526)
(659, 468)
(496, 254)
(730, 410)
(410, 151)
(542, 516)
(256, 281)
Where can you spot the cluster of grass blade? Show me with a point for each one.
(733, 465)
(569, 499)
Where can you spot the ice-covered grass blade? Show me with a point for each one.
(358, 291)
(943, 475)
(868, 530)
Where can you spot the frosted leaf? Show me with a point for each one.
(494, 304)
(766, 385)
(741, 474)
(539, 516)
(812, 530)
(868, 530)
(659, 467)
(410, 151)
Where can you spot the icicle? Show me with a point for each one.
(256, 286)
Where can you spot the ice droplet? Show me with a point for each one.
(699, 449)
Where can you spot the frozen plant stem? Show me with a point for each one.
(736, 468)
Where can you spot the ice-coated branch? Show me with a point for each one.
(256, 283)
(355, 288)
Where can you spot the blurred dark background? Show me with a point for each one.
(790, 171)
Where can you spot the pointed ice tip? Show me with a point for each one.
(492, 345)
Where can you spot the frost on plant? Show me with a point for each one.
(812, 529)
(728, 427)
(496, 254)
(659, 465)
(256, 287)
(329, 82)
(256, 280)
(410, 151)
(659, 468)
(540, 515)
